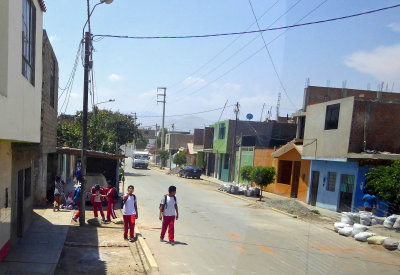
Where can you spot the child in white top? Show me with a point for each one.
(130, 213)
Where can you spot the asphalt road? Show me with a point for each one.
(219, 234)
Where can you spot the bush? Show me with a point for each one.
(245, 172)
(164, 155)
(262, 176)
(180, 159)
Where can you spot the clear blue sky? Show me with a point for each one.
(362, 51)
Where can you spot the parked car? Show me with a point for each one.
(191, 171)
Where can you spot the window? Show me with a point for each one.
(347, 184)
(221, 133)
(226, 161)
(332, 116)
(27, 187)
(331, 181)
(284, 171)
(167, 139)
(28, 40)
(52, 81)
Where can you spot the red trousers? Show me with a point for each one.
(79, 210)
(168, 221)
(129, 221)
(97, 206)
(110, 210)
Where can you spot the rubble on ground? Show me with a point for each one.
(174, 171)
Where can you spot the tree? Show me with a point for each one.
(180, 158)
(141, 142)
(107, 130)
(384, 182)
(245, 172)
(262, 176)
(164, 155)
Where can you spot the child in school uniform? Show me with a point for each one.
(168, 213)
(130, 213)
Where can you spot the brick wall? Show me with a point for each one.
(49, 113)
(382, 126)
(198, 137)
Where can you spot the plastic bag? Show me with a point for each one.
(346, 231)
(390, 244)
(340, 225)
(363, 236)
(376, 239)
(365, 219)
(358, 228)
(347, 218)
(396, 225)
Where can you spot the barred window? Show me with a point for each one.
(331, 181)
(28, 40)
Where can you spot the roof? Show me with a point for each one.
(375, 155)
(90, 153)
(286, 148)
(42, 5)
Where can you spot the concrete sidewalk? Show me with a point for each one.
(39, 250)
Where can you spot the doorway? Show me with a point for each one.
(295, 179)
(20, 203)
(314, 187)
(346, 193)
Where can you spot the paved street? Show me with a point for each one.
(219, 234)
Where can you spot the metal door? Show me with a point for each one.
(314, 187)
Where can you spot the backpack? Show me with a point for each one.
(122, 201)
(165, 202)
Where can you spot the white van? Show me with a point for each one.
(140, 159)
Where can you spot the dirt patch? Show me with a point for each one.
(174, 171)
(99, 250)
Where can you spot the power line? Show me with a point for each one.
(196, 113)
(225, 48)
(240, 49)
(249, 32)
(270, 58)
(253, 54)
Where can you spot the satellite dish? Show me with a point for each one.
(249, 116)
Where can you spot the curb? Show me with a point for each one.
(248, 200)
(147, 252)
(153, 266)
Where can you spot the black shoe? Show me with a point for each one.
(131, 240)
(126, 239)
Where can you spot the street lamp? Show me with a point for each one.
(87, 67)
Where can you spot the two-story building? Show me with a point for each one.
(21, 34)
(343, 139)
(175, 141)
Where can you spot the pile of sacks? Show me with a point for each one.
(240, 190)
(356, 225)
(392, 222)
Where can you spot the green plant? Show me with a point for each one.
(245, 172)
(384, 181)
(180, 158)
(164, 155)
(315, 212)
(262, 176)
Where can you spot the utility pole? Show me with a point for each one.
(163, 95)
(85, 121)
(134, 118)
(156, 150)
(262, 111)
(240, 160)
(236, 110)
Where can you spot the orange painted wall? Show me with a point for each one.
(263, 157)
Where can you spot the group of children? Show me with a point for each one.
(168, 208)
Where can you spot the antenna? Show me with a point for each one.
(278, 105)
(262, 111)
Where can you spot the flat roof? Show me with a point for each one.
(90, 153)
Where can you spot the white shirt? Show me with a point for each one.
(169, 208)
(129, 206)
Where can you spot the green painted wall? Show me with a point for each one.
(199, 161)
(219, 145)
(247, 159)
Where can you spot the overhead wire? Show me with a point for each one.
(270, 57)
(253, 31)
(224, 49)
(252, 55)
(240, 49)
(195, 113)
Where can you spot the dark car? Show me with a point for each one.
(191, 171)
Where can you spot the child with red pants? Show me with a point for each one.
(111, 195)
(77, 200)
(168, 213)
(97, 201)
(130, 213)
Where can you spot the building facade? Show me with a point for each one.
(20, 110)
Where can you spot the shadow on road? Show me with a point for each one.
(134, 174)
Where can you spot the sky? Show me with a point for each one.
(203, 74)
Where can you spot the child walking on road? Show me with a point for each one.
(130, 213)
(168, 214)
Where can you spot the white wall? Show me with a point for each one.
(328, 144)
(5, 182)
(20, 102)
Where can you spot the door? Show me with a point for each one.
(314, 187)
(295, 179)
(20, 203)
(346, 193)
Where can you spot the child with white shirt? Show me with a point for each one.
(130, 213)
(168, 214)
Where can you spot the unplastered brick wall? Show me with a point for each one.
(381, 122)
